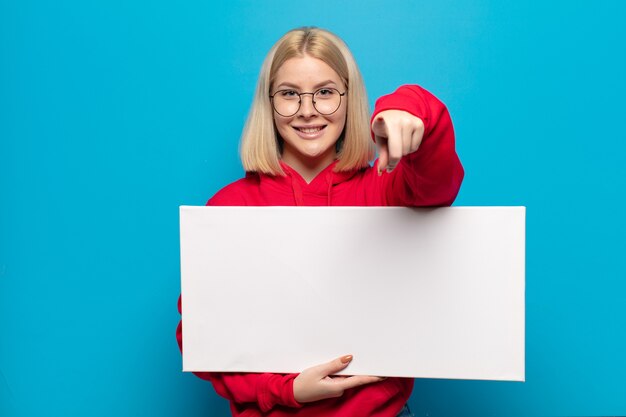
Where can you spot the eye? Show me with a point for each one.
(325, 92)
(288, 93)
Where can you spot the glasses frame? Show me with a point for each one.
(312, 100)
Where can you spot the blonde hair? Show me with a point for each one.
(260, 150)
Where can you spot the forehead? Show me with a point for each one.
(306, 72)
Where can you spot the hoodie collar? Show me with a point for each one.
(321, 185)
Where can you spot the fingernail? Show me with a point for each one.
(346, 359)
(380, 172)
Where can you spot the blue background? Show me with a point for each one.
(114, 113)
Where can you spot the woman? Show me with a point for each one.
(307, 142)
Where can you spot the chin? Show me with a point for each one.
(317, 152)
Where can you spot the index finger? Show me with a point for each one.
(383, 153)
(394, 145)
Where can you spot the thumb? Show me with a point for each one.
(379, 127)
(335, 365)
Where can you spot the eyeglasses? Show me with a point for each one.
(325, 100)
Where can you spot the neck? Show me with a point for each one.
(308, 167)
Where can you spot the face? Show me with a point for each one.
(309, 137)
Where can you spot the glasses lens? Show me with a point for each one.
(286, 102)
(326, 100)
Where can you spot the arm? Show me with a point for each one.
(430, 175)
(267, 390)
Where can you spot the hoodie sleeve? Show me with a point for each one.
(267, 390)
(432, 175)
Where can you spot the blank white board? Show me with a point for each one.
(435, 293)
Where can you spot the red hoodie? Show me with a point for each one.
(431, 176)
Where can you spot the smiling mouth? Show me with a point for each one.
(309, 129)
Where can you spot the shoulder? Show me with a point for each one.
(234, 194)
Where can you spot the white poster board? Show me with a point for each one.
(436, 293)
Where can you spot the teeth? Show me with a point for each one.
(310, 130)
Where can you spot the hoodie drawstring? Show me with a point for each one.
(297, 191)
(329, 178)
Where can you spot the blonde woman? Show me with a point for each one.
(309, 141)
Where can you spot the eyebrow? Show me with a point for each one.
(323, 83)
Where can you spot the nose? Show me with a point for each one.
(307, 109)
